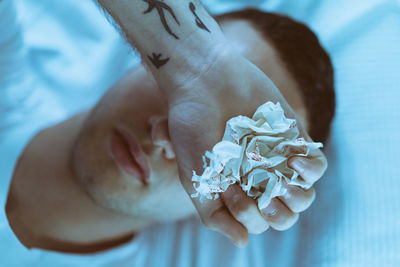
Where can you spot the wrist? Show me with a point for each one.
(195, 56)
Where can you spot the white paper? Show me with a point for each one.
(254, 153)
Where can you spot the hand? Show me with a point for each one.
(197, 117)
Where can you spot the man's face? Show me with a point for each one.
(123, 154)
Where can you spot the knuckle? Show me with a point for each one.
(211, 221)
(324, 165)
(302, 205)
(305, 201)
(311, 194)
(239, 208)
(314, 169)
(259, 230)
(311, 175)
(286, 223)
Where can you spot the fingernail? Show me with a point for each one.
(239, 243)
(270, 211)
(298, 164)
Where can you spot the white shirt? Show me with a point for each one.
(355, 220)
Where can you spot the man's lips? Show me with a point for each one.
(129, 155)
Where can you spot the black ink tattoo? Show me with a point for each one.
(160, 7)
(157, 60)
(198, 20)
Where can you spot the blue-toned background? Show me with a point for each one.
(59, 57)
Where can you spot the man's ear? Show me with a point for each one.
(160, 135)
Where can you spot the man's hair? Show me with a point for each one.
(305, 59)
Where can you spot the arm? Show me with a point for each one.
(206, 82)
(175, 38)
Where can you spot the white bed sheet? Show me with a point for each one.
(355, 220)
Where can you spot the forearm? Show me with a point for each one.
(177, 39)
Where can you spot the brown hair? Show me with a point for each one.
(305, 58)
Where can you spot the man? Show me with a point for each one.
(192, 61)
(93, 189)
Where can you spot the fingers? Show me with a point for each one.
(244, 209)
(239, 214)
(221, 220)
(279, 216)
(215, 216)
(310, 168)
(234, 215)
(296, 198)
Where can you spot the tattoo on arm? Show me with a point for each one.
(199, 23)
(160, 7)
(157, 60)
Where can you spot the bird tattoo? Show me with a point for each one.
(157, 60)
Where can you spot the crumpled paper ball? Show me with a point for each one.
(253, 153)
